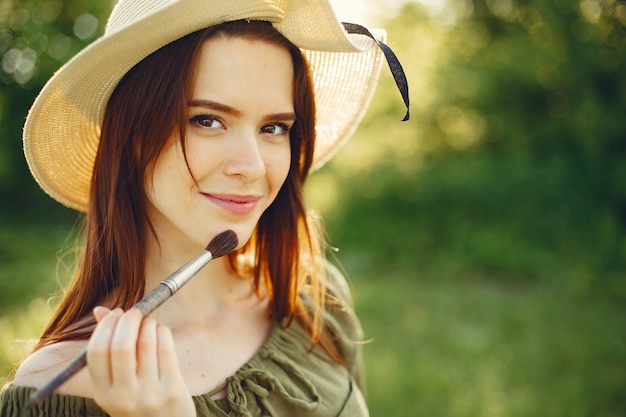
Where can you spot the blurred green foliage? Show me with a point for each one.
(486, 238)
(36, 37)
(514, 164)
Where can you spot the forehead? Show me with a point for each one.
(234, 69)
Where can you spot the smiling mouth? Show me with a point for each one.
(239, 205)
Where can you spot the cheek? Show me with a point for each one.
(203, 156)
(168, 175)
(278, 167)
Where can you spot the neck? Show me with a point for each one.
(215, 286)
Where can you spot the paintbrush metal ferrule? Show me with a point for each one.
(170, 285)
(187, 271)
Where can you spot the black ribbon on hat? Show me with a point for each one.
(392, 60)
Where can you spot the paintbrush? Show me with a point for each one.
(221, 245)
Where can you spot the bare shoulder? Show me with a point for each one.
(43, 365)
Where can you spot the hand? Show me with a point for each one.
(134, 368)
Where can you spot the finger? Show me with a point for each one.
(100, 312)
(98, 353)
(147, 359)
(169, 371)
(124, 348)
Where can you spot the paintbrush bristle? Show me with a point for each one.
(223, 244)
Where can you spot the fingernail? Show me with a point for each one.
(99, 310)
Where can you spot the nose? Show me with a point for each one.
(245, 157)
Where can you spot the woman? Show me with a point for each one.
(186, 119)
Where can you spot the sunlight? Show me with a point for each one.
(371, 12)
(367, 12)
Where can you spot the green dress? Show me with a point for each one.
(284, 378)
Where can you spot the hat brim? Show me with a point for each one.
(62, 130)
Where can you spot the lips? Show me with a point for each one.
(239, 205)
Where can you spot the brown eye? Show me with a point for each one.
(207, 121)
(276, 129)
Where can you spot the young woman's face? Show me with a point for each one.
(237, 145)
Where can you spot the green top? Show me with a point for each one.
(284, 378)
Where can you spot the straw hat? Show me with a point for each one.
(62, 129)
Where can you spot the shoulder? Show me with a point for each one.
(343, 321)
(337, 284)
(44, 364)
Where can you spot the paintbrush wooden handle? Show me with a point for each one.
(153, 299)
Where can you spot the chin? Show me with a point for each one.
(243, 236)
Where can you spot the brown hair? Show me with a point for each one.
(132, 137)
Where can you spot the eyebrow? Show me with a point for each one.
(220, 107)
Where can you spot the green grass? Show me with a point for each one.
(28, 277)
(476, 347)
(28, 255)
(479, 349)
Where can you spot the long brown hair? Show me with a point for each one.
(148, 105)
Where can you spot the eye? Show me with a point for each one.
(276, 129)
(207, 121)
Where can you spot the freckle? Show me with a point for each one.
(202, 375)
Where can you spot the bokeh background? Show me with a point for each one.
(485, 239)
